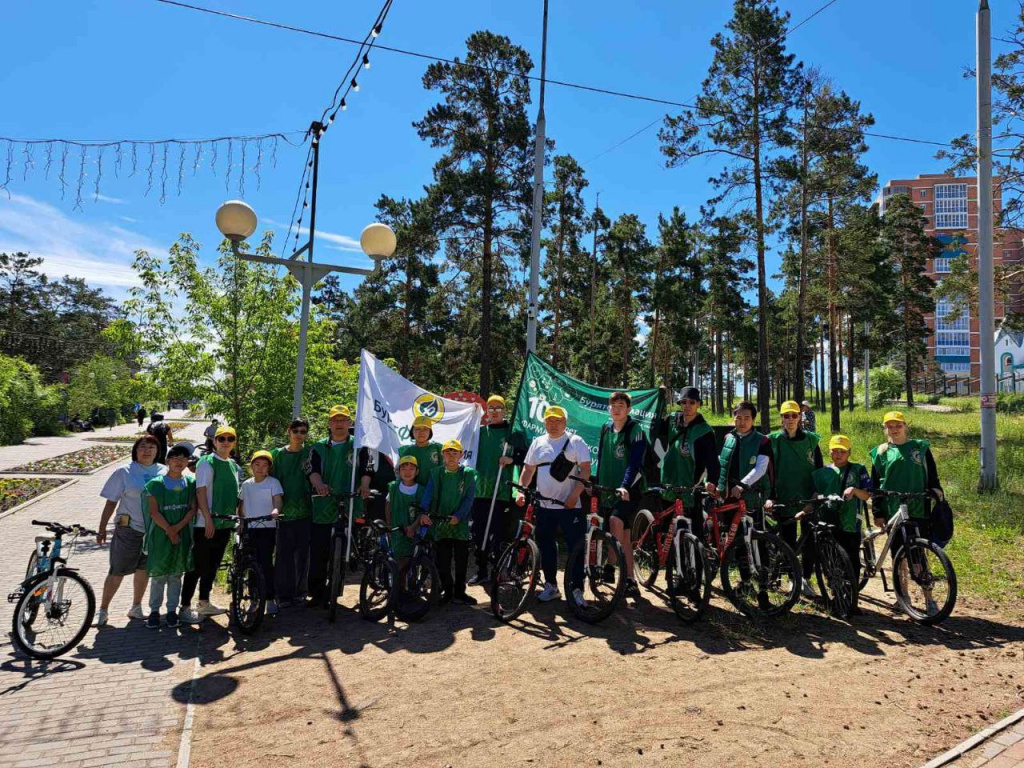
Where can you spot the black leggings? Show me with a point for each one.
(502, 528)
(850, 542)
(445, 550)
(262, 541)
(206, 557)
(788, 533)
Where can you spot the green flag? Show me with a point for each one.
(586, 405)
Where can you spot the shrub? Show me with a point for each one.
(886, 385)
(1010, 403)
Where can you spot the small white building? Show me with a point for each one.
(1010, 360)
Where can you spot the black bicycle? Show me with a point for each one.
(419, 583)
(378, 588)
(339, 545)
(832, 567)
(54, 605)
(245, 579)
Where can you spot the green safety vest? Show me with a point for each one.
(449, 490)
(428, 458)
(902, 468)
(748, 447)
(489, 450)
(678, 465)
(336, 471)
(290, 470)
(163, 557)
(225, 488)
(833, 480)
(613, 457)
(794, 465)
(401, 514)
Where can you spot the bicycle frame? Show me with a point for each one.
(897, 521)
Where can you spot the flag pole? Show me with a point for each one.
(355, 454)
(494, 498)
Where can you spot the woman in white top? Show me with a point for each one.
(123, 492)
(262, 495)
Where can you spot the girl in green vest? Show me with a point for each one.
(402, 494)
(796, 456)
(850, 480)
(293, 527)
(427, 453)
(171, 508)
(217, 483)
(449, 493)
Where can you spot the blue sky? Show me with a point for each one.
(141, 69)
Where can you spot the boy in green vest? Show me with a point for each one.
(494, 456)
(690, 453)
(745, 464)
(850, 480)
(290, 569)
(171, 508)
(329, 467)
(402, 494)
(427, 453)
(796, 456)
(217, 483)
(449, 492)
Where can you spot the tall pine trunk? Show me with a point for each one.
(487, 266)
(834, 386)
(849, 362)
(556, 331)
(763, 384)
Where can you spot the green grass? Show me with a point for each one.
(988, 548)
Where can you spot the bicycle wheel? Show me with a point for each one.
(689, 583)
(366, 544)
(420, 589)
(597, 597)
(337, 583)
(50, 622)
(377, 590)
(515, 578)
(33, 561)
(835, 577)
(925, 582)
(867, 557)
(645, 548)
(769, 588)
(248, 596)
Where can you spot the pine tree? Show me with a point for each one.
(629, 266)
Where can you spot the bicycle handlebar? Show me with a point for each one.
(699, 487)
(59, 528)
(800, 504)
(590, 485)
(533, 495)
(901, 495)
(345, 495)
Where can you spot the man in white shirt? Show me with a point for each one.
(570, 517)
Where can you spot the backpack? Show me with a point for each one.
(942, 522)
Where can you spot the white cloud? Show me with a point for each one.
(106, 199)
(129, 219)
(98, 252)
(338, 242)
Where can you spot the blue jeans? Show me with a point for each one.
(573, 525)
(156, 592)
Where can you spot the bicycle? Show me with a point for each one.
(339, 543)
(377, 590)
(419, 583)
(917, 563)
(760, 573)
(667, 541)
(832, 567)
(57, 597)
(245, 579)
(515, 575)
(603, 585)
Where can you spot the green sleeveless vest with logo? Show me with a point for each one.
(748, 446)
(336, 471)
(677, 467)
(794, 465)
(828, 481)
(903, 469)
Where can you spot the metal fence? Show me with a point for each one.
(952, 386)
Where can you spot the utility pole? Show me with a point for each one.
(988, 481)
(538, 199)
(593, 287)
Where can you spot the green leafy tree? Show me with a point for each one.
(628, 271)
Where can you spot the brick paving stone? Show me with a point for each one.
(1003, 750)
(116, 699)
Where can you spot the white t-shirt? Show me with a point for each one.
(543, 450)
(258, 499)
(125, 486)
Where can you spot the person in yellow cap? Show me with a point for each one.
(569, 518)
(329, 466)
(263, 496)
(427, 453)
(402, 494)
(292, 564)
(851, 481)
(795, 455)
(905, 465)
(217, 482)
(449, 494)
(494, 456)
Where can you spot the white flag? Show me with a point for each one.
(388, 403)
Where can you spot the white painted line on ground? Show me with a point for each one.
(185, 742)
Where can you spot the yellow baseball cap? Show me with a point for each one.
(452, 445)
(555, 412)
(423, 421)
(894, 416)
(410, 459)
(496, 399)
(262, 455)
(225, 430)
(339, 410)
(790, 406)
(840, 441)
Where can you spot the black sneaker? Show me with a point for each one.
(172, 620)
(446, 597)
(465, 599)
(632, 588)
(153, 622)
(609, 574)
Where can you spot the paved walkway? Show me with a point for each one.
(1003, 750)
(119, 698)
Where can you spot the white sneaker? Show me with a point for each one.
(577, 595)
(101, 618)
(135, 612)
(206, 608)
(931, 606)
(189, 616)
(807, 590)
(549, 593)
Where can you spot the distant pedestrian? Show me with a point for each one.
(808, 421)
(209, 434)
(140, 415)
(161, 430)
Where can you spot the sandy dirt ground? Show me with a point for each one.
(460, 689)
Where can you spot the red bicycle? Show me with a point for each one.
(666, 540)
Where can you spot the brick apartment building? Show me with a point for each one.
(950, 205)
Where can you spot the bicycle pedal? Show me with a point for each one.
(15, 596)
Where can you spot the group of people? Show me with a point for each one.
(172, 525)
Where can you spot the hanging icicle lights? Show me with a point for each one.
(157, 160)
